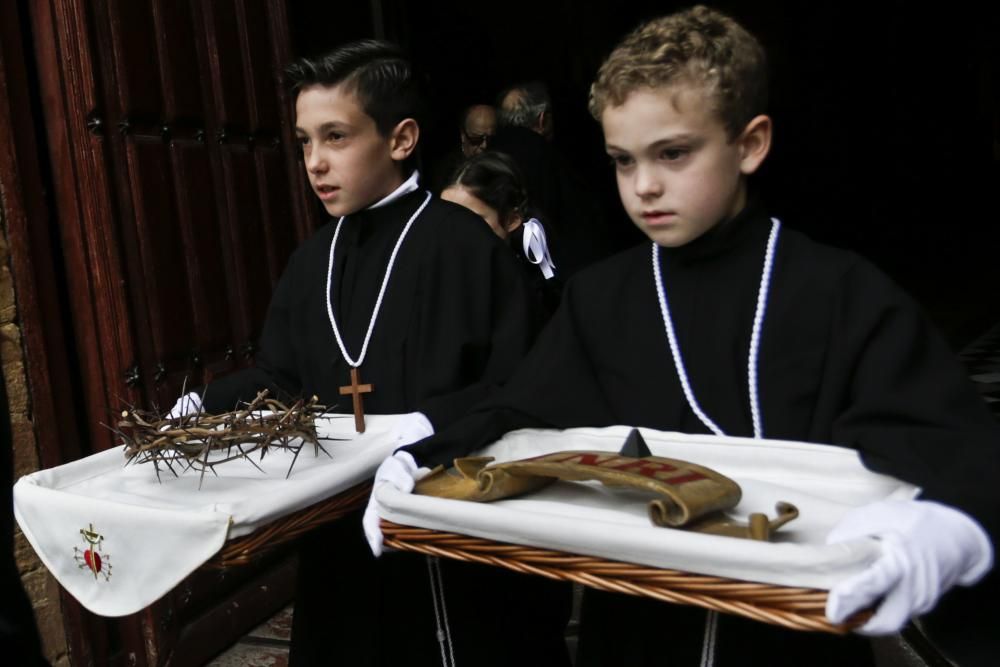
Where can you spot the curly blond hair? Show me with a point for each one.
(697, 46)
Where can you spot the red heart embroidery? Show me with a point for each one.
(93, 560)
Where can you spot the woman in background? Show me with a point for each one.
(490, 185)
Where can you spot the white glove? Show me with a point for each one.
(927, 547)
(188, 404)
(399, 470)
(410, 428)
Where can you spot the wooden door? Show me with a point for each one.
(178, 190)
(178, 197)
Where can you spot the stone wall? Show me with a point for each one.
(42, 589)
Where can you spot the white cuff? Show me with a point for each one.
(411, 428)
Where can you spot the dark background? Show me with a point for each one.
(146, 153)
(887, 116)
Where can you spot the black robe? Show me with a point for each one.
(455, 319)
(846, 358)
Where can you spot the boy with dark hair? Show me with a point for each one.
(728, 323)
(400, 286)
(413, 294)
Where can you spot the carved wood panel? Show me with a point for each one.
(178, 200)
(194, 213)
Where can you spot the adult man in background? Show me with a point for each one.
(476, 129)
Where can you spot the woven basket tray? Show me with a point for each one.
(246, 549)
(794, 608)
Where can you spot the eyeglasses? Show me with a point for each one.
(477, 140)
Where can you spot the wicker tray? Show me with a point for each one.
(246, 549)
(793, 608)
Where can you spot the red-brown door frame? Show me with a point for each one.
(76, 322)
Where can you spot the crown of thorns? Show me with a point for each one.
(202, 441)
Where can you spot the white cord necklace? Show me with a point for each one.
(378, 302)
(758, 321)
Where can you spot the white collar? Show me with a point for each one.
(408, 186)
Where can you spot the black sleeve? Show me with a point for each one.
(912, 411)
(476, 320)
(553, 387)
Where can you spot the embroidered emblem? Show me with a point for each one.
(91, 557)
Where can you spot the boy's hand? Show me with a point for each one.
(927, 547)
(401, 471)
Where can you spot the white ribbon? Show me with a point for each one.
(536, 249)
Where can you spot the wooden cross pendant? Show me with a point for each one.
(356, 389)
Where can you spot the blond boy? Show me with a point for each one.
(729, 323)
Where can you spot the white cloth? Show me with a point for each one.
(188, 404)
(401, 472)
(824, 482)
(926, 549)
(412, 427)
(156, 533)
(536, 247)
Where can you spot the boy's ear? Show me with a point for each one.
(754, 143)
(403, 140)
